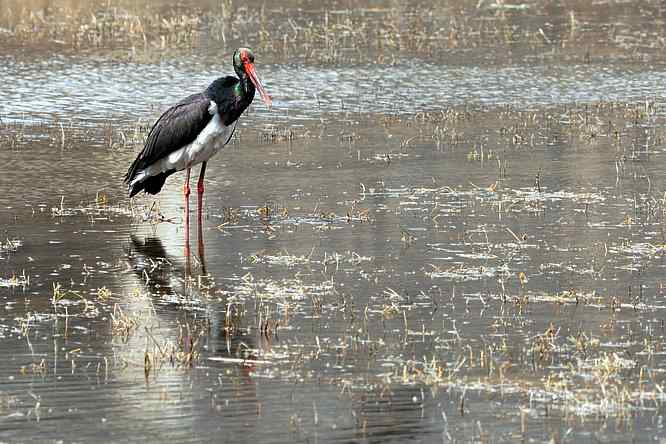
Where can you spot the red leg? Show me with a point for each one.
(186, 193)
(200, 192)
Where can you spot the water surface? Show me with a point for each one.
(414, 251)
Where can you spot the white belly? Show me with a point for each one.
(213, 137)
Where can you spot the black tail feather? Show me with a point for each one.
(151, 185)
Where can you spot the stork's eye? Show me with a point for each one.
(246, 56)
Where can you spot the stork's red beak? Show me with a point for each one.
(249, 69)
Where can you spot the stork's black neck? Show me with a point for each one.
(246, 85)
(226, 88)
(232, 95)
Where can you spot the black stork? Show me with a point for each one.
(192, 131)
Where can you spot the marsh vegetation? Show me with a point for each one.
(471, 251)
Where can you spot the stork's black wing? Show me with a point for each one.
(177, 127)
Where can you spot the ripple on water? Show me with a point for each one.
(96, 90)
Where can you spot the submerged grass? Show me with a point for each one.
(15, 281)
(453, 288)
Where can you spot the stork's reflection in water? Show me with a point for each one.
(184, 291)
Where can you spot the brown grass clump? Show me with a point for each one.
(455, 30)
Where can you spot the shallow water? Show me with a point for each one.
(92, 91)
(473, 253)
